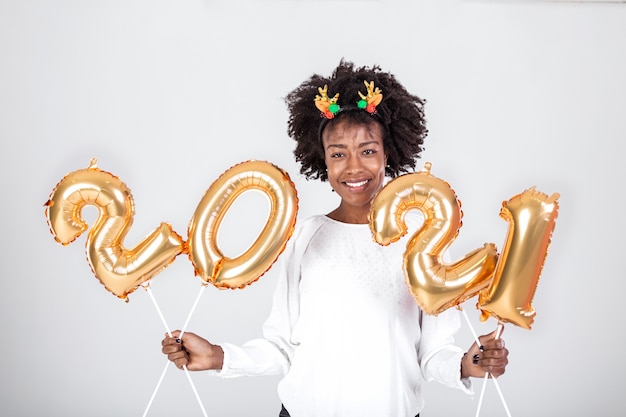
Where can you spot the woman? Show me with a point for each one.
(344, 329)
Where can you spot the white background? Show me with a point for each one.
(169, 94)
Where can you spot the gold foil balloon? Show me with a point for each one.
(209, 262)
(531, 216)
(435, 285)
(119, 269)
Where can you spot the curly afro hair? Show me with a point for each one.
(400, 113)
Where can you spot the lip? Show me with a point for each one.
(356, 184)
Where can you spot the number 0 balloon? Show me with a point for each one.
(209, 262)
(119, 269)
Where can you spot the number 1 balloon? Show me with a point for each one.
(531, 216)
(119, 269)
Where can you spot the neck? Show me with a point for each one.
(353, 215)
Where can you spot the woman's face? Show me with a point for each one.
(355, 159)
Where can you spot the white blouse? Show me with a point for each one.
(345, 330)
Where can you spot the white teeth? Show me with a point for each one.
(356, 184)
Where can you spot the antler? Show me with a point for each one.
(328, 106)
(372, 99)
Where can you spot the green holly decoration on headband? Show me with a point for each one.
(329, 107)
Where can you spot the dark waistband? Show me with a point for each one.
(285, 413)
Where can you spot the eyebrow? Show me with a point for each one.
(361, 145)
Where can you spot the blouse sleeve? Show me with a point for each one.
(272, 354)
(440, 358)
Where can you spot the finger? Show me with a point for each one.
(181, 362)
(484, 341)
(489, 341)
(178, 357)
(496, 370)
(497, 344)
(168, 341)
(495, 361)
(169, 349)
(171, 339)
(497, 354)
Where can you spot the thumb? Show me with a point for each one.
(497, 333)
(494, 335)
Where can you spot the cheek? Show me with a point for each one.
(377, 165)
(333, 173)
(334, 166)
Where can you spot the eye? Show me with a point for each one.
(336, 154)
(370, 152)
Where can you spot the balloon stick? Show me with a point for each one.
(145, 413)
(495, 381)
(193, 308)
(169, 333)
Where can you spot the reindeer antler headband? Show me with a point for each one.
(329, 107)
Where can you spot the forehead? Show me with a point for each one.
(346, 129)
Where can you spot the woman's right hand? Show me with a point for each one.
(196, 353)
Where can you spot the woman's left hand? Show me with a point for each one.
(491, 357)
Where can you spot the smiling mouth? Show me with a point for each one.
(356, 184)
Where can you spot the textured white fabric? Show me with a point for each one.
(345, 330)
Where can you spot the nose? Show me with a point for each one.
(354, 165)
